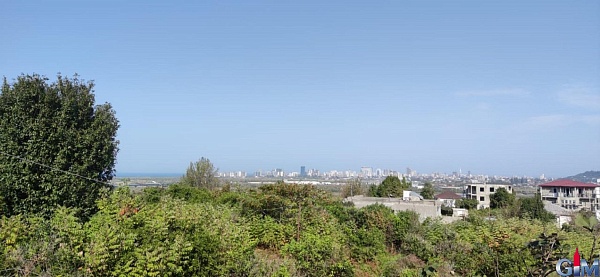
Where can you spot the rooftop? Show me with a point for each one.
(448, 195)
(568, 183)
(556, 209)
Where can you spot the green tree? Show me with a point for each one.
(57, 148)
(501, 199)
(427, 192)
(467, 203)
(533, 207)
(391, 186)
(201, 174)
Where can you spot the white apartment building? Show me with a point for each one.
(482, 192)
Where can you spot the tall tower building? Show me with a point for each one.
(279, 172)
(367, 172)
(303, 171)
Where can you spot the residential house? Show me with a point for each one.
(561, 214)
(448, 198)
(572, 195)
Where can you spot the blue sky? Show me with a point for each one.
(502, 87)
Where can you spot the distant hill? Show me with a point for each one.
(586, 177)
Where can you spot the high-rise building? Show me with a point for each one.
(303, 171)
(366, 172)
(279, 172)
(410, 172)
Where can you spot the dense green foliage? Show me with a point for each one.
(501, 199)
(45, 130)
(467, 203)
(427, 192)
(546, 251)
(275, 230)
(391, 186)
(533, 207)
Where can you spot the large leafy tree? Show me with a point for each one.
(501, 199)
(391, 186)
(467, 203)
(57, 147)
(201, 174)
(533, 207)
(427, 192)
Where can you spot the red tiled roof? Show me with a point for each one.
(448, 195)
(568, 183)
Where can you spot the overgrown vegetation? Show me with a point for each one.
(59, 219)
(353, 187)
(275, 230)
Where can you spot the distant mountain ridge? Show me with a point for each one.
(586, 177)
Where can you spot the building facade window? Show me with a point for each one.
(481, 198)
(491, 189)
(481, 189)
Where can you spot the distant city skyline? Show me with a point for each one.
(358, 172)
(505, 88)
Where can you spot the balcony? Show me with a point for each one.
(568, 195)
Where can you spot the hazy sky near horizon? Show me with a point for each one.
(494, 87)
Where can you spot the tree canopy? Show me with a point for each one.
(201, 174)
(467, 203)
(533, 207)
(391, 186)
(427, 192)
(501, 199)
(57, 148)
